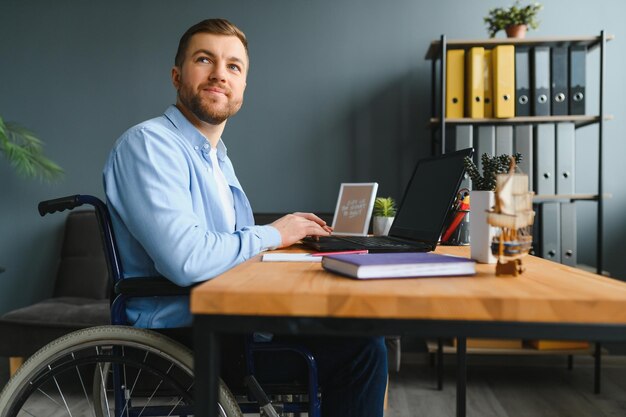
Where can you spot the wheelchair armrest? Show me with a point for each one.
(149, 287)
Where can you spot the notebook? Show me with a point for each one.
(420, 219)
(398, 265)
(354, 208)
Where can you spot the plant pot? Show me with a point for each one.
(516, 31)
(382, 225)
(481, 233)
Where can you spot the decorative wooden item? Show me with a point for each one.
(513, 216)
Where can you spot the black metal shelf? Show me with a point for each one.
(437, 52)
(579, 121)
(590, 42)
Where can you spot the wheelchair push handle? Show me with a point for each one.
(59, 204)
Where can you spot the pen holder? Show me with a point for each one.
(457, 233)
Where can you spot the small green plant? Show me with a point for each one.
(492, 165)
(25, 152)
(384, 207)
(499, 18)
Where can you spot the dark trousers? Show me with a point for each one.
(352, 371)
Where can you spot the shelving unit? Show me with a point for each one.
(438, 122)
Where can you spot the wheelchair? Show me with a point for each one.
(118, 370)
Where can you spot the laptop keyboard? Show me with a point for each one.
(375, 242)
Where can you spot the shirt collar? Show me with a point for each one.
(190, 132)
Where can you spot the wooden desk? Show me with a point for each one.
(549, 301)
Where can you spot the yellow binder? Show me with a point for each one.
(503, 57)
(455, 69)
(474, 83)
(488, 84)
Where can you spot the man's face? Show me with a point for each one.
(212, 79)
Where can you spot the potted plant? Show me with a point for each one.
(482, 198)
(515, 20)
(25, 153)
(492, 165)
(384, 213)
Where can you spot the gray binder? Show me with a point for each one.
(559, 81)
(565, 155)
(551, 231)
(568, 234)
(523, 144)
(504, 140)
(485, 143)
(577, 70)
(545, 149)
(464, 140)
(541, 80)
(522, 81)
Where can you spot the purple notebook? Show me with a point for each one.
(398, 265)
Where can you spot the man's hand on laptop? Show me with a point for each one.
(296, 226)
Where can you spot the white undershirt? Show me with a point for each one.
(226, 195)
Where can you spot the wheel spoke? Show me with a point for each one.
(29, 413)
(82, 384)
(132, 389)
(180, 400)
(61, 394)
(156, 389)
(103, 368)
(49, 397)
(104, 389)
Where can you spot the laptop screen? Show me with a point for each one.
(429, 197)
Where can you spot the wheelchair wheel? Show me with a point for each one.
(108, 371)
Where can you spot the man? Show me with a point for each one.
(179, 211)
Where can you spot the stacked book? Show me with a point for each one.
(398, 265)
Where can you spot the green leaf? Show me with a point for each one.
(24, 151)
(500, 18)
(384, 207)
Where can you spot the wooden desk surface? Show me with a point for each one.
(546, 292)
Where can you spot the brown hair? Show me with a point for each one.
(213, 26)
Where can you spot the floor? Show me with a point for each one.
(501, 386)
(512, 387)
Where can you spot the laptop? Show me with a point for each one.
(428, 201)
(354, 208)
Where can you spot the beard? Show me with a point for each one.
(206, 109)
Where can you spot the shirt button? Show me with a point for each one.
(196, 148)
(205, 146)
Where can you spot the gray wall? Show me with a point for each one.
(338, 91)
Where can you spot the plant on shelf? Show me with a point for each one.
(492, 165)
(384, 207)
(24, 152)
(512, 19)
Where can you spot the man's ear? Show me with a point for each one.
(176, 77)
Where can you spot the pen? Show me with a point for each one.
(345, 252)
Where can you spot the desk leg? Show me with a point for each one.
(597, 368)
(440, 364)
(206, 367)
(461, 376)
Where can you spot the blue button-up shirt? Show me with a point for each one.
(167, 213)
